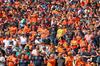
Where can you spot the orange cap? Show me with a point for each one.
(70, 53)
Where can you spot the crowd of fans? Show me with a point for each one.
(49, 32)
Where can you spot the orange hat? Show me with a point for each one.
(70, 53)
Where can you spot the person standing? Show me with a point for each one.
(2, 60)
(80, 61)
(23, 40)
(60, 60)
(23, 61)
(38, 59)
(12, 59)
(50, 60)
(6, 42)
(69, 59)
(74, 44)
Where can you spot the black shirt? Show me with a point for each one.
(37, 60)
(86, 54)
(47, 41)
(23, 62)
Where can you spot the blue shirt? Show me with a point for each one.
(44, 6)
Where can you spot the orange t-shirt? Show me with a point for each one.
(44, 33)
(74, 43)
(13, 29)
(30, 46)
(83, 44)
(11, 62)
(25, 29)
(60, 49)
(68, 48)
(34, 18)
(78, 63)
(87, 64)
(69, 62)
(51, 64)
(51, 47)
(39, 30)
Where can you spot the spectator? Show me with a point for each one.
(86, 55)
(94, 55)
(88, 36)
(74, 44)
(34, 52)
(50, 60)
(60, 48)
(52, 35)
(23, 61)
(23, 40)
(6, 41)
(80, 62)
(60, 61)
(12, 59)
(47, 40)
(69, 60)
(38, 59)
(2, 60)
(88, 63)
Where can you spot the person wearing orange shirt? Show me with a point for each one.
(52, 46)
(13, 29)
(30, 44)
(12, 59)
(88, 63)
(50, 61)
(83, 45)
(68, 48)
(60, 49)
(80, 62)
(44, 32)
(74, 44)
(69, 60)
(26, 28)
(34, 18)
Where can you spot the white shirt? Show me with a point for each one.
(47, 52)
(23, 40)
(38, 41)
(2, 59)
(34, 52)
(14, 42)
(7, 42)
